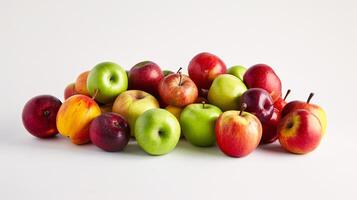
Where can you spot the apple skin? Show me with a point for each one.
(300, 132)
(259, 103)
(110, 132)
(197, 123)
(75, 116)
(69, 91)
(237, 71)
(263, 76)
(174, 93)
(106, 108)
(132, 103)
(157, 131)
(176, 111)
(81, 84)
(107, 80)
(204, 68)
(315, 109)
(167, 72)
(280, 104)
(39, 116)
(270, 128)
(226, 91)
(238, 134)
(145, 76)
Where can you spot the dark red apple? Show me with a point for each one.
(263, 76)
(270, 128)
(145, 76)
(39, 115)
(204, 68)
(110, 132)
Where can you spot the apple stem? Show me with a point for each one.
(179, 72)
(95, 93)
(46, 113)
(287, 94)
(242, 108)
(310, 97)
(203, 104)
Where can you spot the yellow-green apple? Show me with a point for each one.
(39, 115)
(167, 72)
(300, 131)
(259, 103)
(81, 84)
(238, 133)
(109, 132)
(69, 91)
(263, 76)
(281, 102)
(106, 81)
(204, 68)
(145, 76)
(132, 103)
(197, 123)
(238, 71)
(157, 131)
(315, 109)
(178, 90)
(226, 91)
(75, 116)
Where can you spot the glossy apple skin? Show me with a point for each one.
(237, 71)
(132, 103)
(175, 94)
(259, 103)
(263, 76)
(270, 128)
(300, 132)
(81, 84)
(204, 68)
(315, 109)
(39, 116)
(110, 132)
(69, 91)
(197, 123)
(109, 79)
(75, 116)
(225, 92)
(280, 104)
(157, 131)
(238, 135)
(145, 76)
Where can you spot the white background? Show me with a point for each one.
(44, 45)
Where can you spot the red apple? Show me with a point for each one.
(145, 76)
(300, 131)
(281, 102)
(263, 76)
(204, 68)
(39, 115)
(69, 91)
(81, 84)
(178, 90)
(238, 133)
(110, 132)
(270, 132)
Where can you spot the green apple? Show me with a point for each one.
(106, 81)
(157, 131)
(237, 71)
(132, 103)
(226, 91)
(197, 123)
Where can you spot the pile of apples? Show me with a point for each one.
(237, 109)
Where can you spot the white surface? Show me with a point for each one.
(44, 45)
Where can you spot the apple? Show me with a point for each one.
(197, 122)
(39, 115)
(145, 76)
(69, 91)
(167, 72)
(203, 93)
(75, 116)
(178, 90)
(157, 131)
(105, 108)
(226, 91)
(300, 131)
(237, 71)
(132, 103)
(204, 68)
(281, 102)
(270, 132)
(81, 84)
(238, 133)
(176, 111)
(110, 132)
(315, 109)
(106, 81)
(259, 103)
(263, 76)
